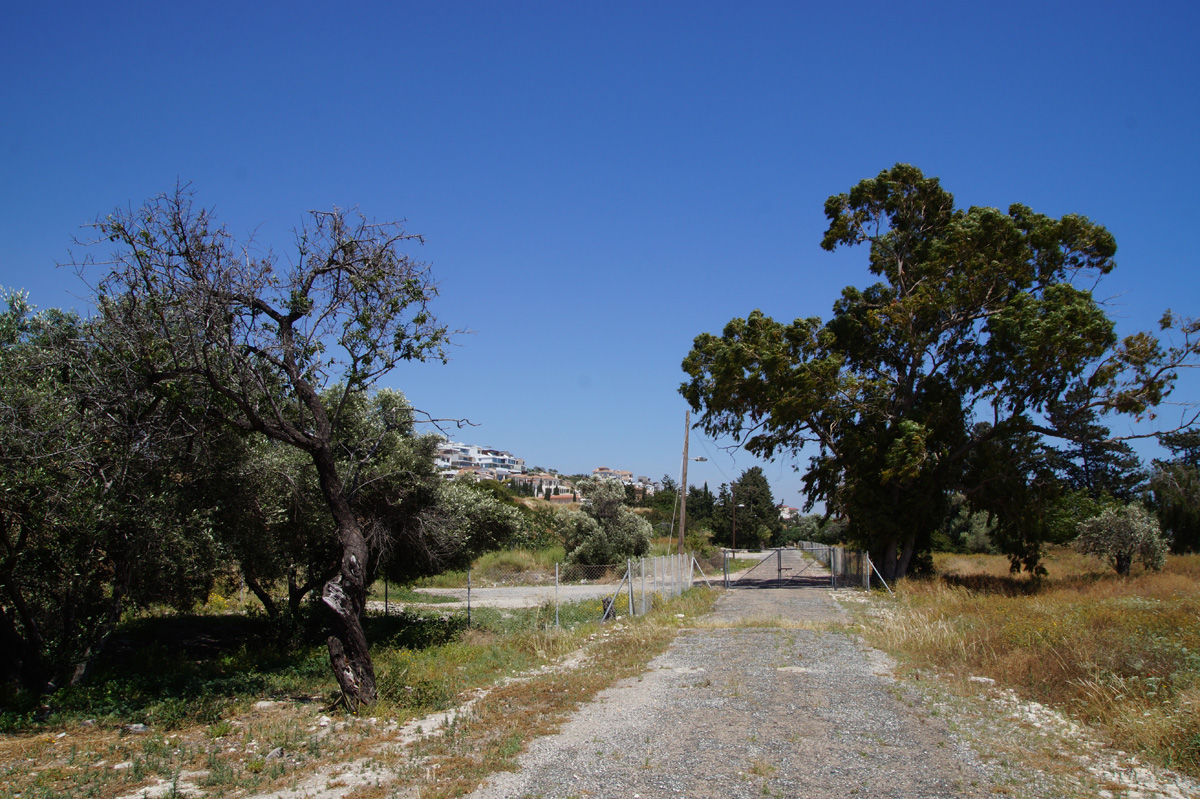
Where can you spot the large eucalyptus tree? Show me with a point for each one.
(939, 376)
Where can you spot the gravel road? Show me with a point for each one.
(737, 708)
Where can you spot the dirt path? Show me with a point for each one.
(744, 707)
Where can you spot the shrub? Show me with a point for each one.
(1120, 535)
(606, 531)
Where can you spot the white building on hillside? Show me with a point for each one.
(543, 483)
(454, 458)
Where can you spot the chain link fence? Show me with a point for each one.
(569, 595)
(640, 585)
(848, 568)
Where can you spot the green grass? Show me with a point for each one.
(509, 566)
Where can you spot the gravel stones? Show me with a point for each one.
(738, 710)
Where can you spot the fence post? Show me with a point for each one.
(725, 565)
(629, 572)
(779, 566)
(645, 599)
(468, 596)
(556, 625)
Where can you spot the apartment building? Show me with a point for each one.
(484, 463)
(541, 482)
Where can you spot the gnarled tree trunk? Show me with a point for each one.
(346, 593)
(345, 596)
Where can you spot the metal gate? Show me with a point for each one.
(781, 568)
(808, 564)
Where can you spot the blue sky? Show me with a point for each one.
(599, 183)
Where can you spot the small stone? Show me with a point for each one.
(123, 766)
(324, 721)
(137, 729)
(275, 753)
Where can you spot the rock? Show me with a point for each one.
(137, 729)
(275, 753)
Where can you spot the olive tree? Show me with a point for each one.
(103, 504)
(1121, 535)
(605, 531)
(260, 344)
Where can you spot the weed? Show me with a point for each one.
(219, 730)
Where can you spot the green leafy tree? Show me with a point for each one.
(1089, 459)
(460, 524)
(605, 531)
(1122, 535)
(746, 507)
(979, 316)
(258, 345)
(964, 530)
(1175, 488)
(275, 521)
(700, 506)
(103, 499)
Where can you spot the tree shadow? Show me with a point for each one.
(994, 584)
(166, 671)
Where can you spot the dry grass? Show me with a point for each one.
(1122, 655)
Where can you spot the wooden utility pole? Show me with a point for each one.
(687, 421)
